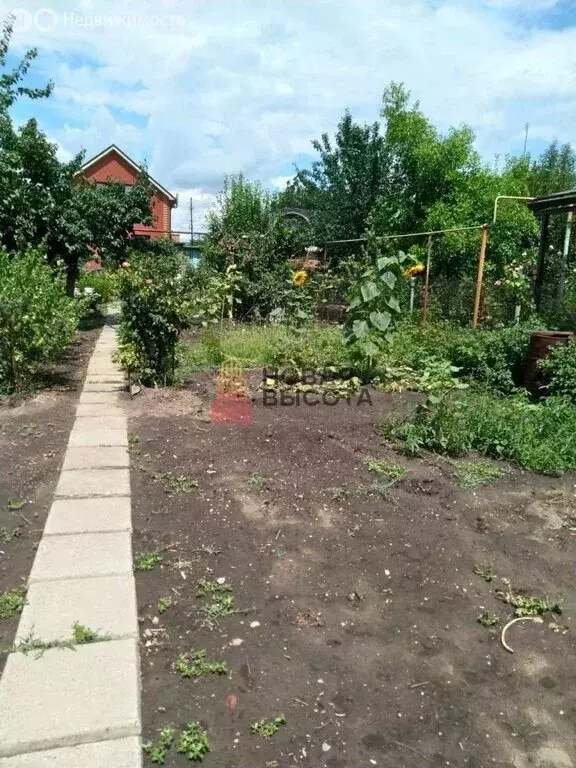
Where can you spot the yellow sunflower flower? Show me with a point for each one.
(415, 270)
(300, 278)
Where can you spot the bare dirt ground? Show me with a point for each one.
(34, 433)
(357, 604)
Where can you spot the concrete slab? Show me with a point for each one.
(120, 753)
(113, 378)
(96, 457)
(89, 398)
(82, 555)
(100, 422)
(89, 516)
(102, 386)
(106, 604)
(69, 697)
(81, 483)
(99, 409)
(87, 438)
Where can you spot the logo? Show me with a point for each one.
(231, 404)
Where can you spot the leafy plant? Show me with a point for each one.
(206, 587)
(147, 561)
(268, 727)
(474, 473)
(15, 505)
(258, 480)
(157, 751)
(175, 485)
(6, 536)
(195, 665)
(485, 572)
(527, 606)
(219, 607)
(488, 619)
(84, 635)
(560, 369)
(194, 742)
(164, 603)
(385, 468)
(12, 602)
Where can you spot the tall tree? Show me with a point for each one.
(554, 170)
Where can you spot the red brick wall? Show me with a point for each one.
(113, 167)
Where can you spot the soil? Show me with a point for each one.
(357, 604)
(34, 433)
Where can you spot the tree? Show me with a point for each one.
(554, 170)
(10, 82)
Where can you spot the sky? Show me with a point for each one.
(203, 88)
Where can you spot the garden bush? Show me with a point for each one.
(156, 306)
(37, 319)
(104, 286)
(560, 369)
(537, 436)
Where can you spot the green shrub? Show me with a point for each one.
(105, 285)
(155, 309)
(560, 368)
(537, 436)
(37, 319)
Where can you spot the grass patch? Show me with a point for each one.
(527, 606)
(385, 468)
(195, 664)
(174, 485)
(268, 727)
(147, 561)
(6, 535)
(206, 587)
(12, 602)
(15, 505)
(250, 345)
(219, 608)
(194, 742)
(259, 481)
(337, 494)
(485, 572)
(164, 603)
(33, 644)
(156, 751)
(536, 436)
(82, 635)
(488, 619)
(471, 474)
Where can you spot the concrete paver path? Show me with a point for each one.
(72, 707)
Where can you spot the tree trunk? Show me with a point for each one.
(71, 275)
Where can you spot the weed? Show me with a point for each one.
(257, 480)
(570, 523)
(134, 444)
(337, 494)
(475, 473)
(527, 606)
(194, 742)
(157, 751)
(147, 561)
(33, 644)
(84, 635)
(163, 604)
(6, 536)
(385, 468)
(212, 588)
(485, 572)
(221, 606)
(268, 727)
(15, 505)
(12, 602)
(196, 665)
(175, 485)
(488, 619)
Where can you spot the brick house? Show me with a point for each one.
(113, 165)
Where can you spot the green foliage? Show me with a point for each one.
(560, 369)
(385, 468)
(268, 727)
(147, 561)
(37, 319)
(105, 285)
(157, 751)
(82, 635)
(12, 602)
(485, 572)
(474, 473)
(373, 306)
(488, 619)
(196, 664)
(257, 480)
(527, 606)
(536, 436)
(194, 742)
(206, 587)
(164, 603)
(174, 485)
(155, 309)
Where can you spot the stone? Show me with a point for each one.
(96, 436)
(89, 516)
(100, 398)
(102, 386)
(83, 423)
(106, 604)
(96, 457)
(100, 409)
(68, 697)
(80, 483)
(82, 555)
(120, 753)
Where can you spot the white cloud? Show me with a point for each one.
(234, 85)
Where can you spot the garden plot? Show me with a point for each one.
(309, 597)
(34, 433)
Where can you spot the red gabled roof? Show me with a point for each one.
(114, 149)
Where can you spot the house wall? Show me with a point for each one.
(113, 167)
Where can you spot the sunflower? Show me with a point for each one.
(414, 270)
(300, 278)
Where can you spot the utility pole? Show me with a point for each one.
(527, 128)
(191, 222)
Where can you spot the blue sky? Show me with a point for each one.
(201, 88)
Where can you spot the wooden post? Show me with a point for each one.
(564, 263)
(541, 260)
(480, 276)
(427, 281)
